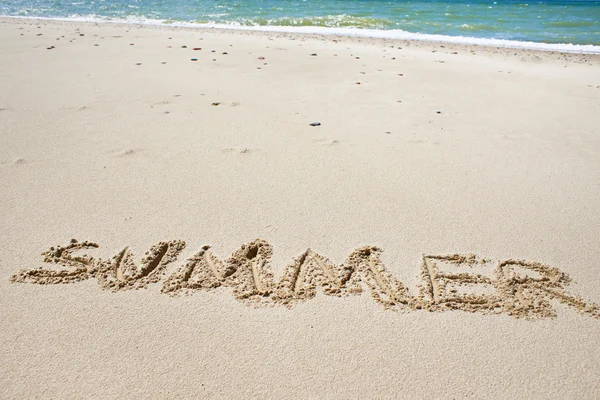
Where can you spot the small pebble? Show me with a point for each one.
(438, 111)
(138, 63)
(388, 133)
(194, 59)
(184, 47)
(314, 54)
(315, 124)
(81, 34)
(225, 53)
(197, 48)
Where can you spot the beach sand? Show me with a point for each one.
(115, 136)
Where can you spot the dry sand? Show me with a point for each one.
(426, 153)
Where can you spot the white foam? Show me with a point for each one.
(354, 32)
(403, 35)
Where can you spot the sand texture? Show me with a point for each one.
(230, 214)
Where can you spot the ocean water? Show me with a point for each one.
(574, 22)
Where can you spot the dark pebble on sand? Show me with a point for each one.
(315, 124)
(225, 53)
(194, 59)
(197, 48)
(438, 111)
(184, 47)
(138, 63)
(314, 54)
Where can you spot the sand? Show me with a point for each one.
(436, 236)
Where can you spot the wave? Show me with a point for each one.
(328, 21)
(571, 24)
(397, 34)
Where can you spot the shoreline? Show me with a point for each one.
(373, 34)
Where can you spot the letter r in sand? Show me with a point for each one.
(527, 287)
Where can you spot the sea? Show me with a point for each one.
(568, 25)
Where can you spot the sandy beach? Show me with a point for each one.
(212, 213)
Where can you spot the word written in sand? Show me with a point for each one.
(465, 282)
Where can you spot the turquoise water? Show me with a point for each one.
(550, 21)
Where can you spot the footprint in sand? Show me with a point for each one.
(328, 142)
(222, 104)
(129, 152)
(237, 150)
(78, 108)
